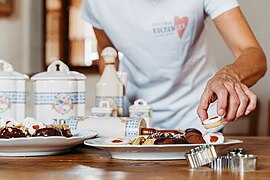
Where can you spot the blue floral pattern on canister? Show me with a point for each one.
(132, 127)
(61, 102)
(11, 97)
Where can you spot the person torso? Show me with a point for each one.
(164, 47)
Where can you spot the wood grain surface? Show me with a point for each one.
(85, 162)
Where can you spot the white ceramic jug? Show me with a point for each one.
(12, 92)
(59, 94)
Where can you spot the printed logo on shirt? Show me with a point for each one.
(177, 25)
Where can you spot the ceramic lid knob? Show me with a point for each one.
(58, 70)
(5, 66)
(58, 65)
(109, 54)
(7, 72)
(140, 104)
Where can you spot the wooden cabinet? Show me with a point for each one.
(68, 37)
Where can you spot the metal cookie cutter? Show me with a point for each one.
(242, 162)
(222, 162)
(236, 160)
(200, 156)
(237, 152)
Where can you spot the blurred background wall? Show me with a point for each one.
(21, 45)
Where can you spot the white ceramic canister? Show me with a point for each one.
(59, 94)
(12, 92)
(141, 109)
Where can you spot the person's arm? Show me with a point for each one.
(103, 42)
(230, 85)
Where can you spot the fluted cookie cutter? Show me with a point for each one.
(236, 160)
(220, 163)
(201, 156)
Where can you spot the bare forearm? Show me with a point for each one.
(230, 85)
(249, 67)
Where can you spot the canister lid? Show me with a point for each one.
(140, 105)
(58, 71)
(7, 72)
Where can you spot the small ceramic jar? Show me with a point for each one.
(104, 110)
(12, 92)
(59, 94)
(141, 109)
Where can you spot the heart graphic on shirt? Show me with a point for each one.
(180, 25)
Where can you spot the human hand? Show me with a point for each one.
(234, 99)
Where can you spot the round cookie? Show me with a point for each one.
(212, 122)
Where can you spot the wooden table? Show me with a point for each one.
(85, 162)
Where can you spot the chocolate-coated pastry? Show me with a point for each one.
(64, 129)
(194, 138)
(12, 132)
(181, 140)
(156, 135)
(193, 130)
(66, 132)
(168, 141)
(48, 132)
(162, 141)
(159, 141)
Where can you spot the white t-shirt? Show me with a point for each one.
(165, 52)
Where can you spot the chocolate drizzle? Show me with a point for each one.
(48, 132)
(12, 132)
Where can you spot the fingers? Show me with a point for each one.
(222, 97)
(233, 99)
(233, 102)
(244, 100)
(241, 101)
(219, 93)
(204, 104)
(252, 100)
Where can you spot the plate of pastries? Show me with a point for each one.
(33, 138)
(160, 145)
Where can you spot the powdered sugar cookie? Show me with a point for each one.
(212, 122)
(213, 138)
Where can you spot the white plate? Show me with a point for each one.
(40, 146)
(152, 152)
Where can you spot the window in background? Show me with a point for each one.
(6, 8)
(53, 34)
(82, 40)
(68, 37)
